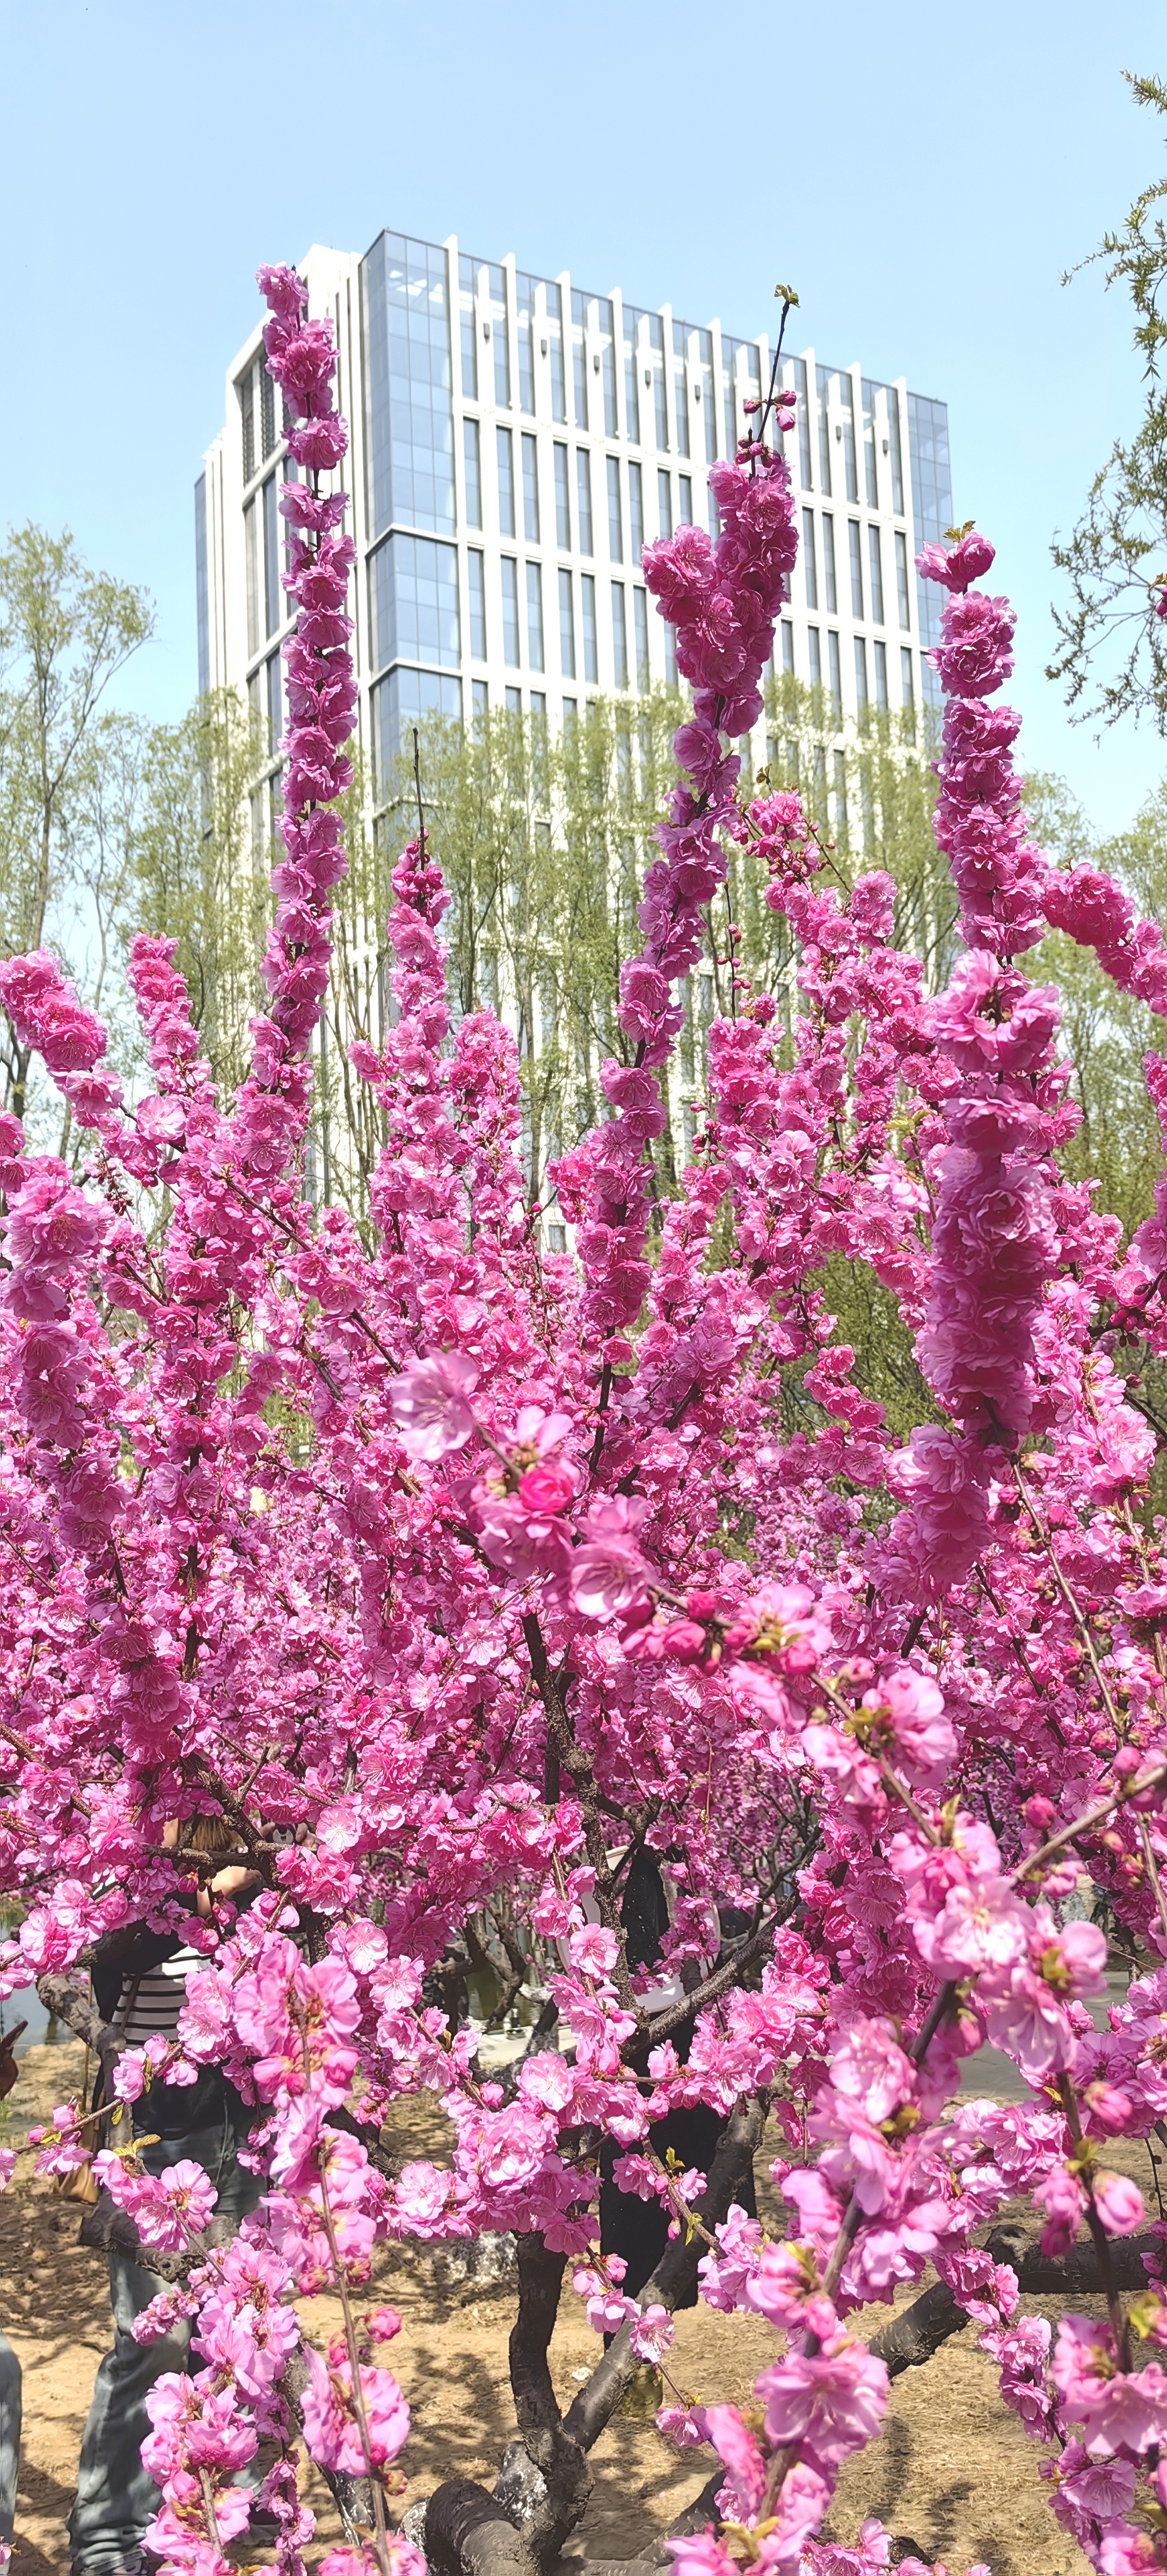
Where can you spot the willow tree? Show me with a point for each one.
(65, 632)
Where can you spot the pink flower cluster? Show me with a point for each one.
(582, 1612)
(996, 870)
(723, 597)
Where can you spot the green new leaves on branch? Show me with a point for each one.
(1112, 654)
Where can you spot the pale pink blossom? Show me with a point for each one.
(430, 1402)
(832, 2402)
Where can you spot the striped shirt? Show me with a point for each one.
(152, 2004)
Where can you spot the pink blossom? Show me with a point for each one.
(871, 2070)
(979, 1925)
(832, 2402)
(331, 2428)
(593, 1949)
(429, 1402)
(956, 565)
(698, 2553)
(608, 1573)
(653, 2334)
(1119, 2203)
(737, 2449)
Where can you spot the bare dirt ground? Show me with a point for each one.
(952, 2472)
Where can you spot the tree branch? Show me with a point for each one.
(675, 2273)
(520, 2529)
(911, 2338)
(549, 2502)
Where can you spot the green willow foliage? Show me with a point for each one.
(1113, 650)
(197, 876)
(65, 631)
(543, 839)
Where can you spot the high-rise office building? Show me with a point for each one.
(515, 443)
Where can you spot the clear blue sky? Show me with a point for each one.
(922, 174)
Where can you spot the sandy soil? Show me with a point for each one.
(952, 2473)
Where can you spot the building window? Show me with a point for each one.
(562, 499)
(855, 546)
(530, 490)
(814, 657)
(275, 714)
(680, 389)
(840, 768)
(830, 582)
(615, 514)
(607, 366)
(409, 415)
(535, 617)
(897, 454)
(685, 511)
(787, 645)
(497, 326)
(566, 626)
(869, 467)
(479, 699)
(809, 568)
(247, 415)
(619, 636)
(405, 698)
(251, 546)
(587, 602)
(822, 409)
(476, 568)
(875, 568)
(472, 460)
(729, 395)
(860, 673)
(640, 628)
(664, 501)
(801, 389)
(670, 657)
(570, 713)
(907, 678)
(881, 677)
(272, 559)
(583, 494)
(652, 375)
(539, 704)
(525, 326)
(467, 336)
(635, 512)
(514, 708)
(850, 460)
(631, 380)
(506, 483)
(509, 571)
(738, 380)
(413, 602)
(555, 353)
(267, 409)
(903, 588)
(834, 666)
(579, 356)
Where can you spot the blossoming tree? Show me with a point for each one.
(463, 1583)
